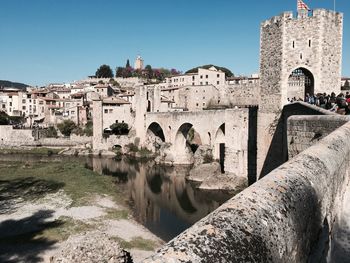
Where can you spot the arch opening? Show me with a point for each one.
(301, 83)
(156, 130)
(154, 136)
(219, 146)
(187, 141)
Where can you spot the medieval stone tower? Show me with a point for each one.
(298, 55)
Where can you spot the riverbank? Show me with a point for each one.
(47, 206)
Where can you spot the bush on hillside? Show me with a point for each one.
(66, 127)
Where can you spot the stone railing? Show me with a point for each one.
(277, 219)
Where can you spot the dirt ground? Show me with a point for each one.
(48, 228)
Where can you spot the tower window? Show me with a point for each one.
(301, 56)
(309, 42)
(293, 44)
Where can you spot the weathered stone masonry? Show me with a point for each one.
(277, 219)
(288, 43)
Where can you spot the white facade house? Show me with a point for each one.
(211, 76)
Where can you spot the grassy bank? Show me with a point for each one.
(34, 180)
(35, 151)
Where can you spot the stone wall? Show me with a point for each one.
(304, 131)
(108, 143)
(277, 219)
(288, 43)
(277, 151)
(242, 94)
(73, 140)
(10, 137)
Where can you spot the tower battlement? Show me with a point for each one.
(317, 13)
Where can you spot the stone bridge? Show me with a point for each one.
(224, 131)
(296, 213)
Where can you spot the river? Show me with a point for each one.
(159, 197)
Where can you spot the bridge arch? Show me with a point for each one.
(301, 81)
(186, 142)
(154, 136)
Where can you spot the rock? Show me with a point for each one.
(207, 170)
(93, 246)
(227, 182)
(203, 155)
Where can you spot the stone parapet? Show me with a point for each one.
(277, 219)
(305, 131)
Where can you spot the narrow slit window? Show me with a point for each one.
(309, 42)
(293, 44)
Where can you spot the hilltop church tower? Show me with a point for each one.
(138, 63)
(298, 55)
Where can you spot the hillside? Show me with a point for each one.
(10, 84)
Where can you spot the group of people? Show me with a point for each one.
(337, 103)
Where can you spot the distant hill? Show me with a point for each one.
(226, 70)
(10, 84)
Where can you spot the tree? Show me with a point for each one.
(104, 71)
(127, 64)
(119, 72)
(149, 71)
(4, 119)
(120, 128)
(66, 127)
(347, 84)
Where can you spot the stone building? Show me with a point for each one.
(211, 76)
(308, 47)
(138, 63)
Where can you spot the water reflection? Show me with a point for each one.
(159, 196)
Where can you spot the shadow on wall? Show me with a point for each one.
(278, 150)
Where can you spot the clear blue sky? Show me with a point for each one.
(43, 41)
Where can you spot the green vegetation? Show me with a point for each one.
(33, 151)
(135, 151)
(104, 71)
(51, 132)
(87, 130)
(10, 120)
(117, 214)
(149, 73)
(120, 128)
(75, 179)
(132, 147)
(66, 127)
(67, 227)
(10, 84)
(138, 242)
(190, 135)
(208, 158)
(144, 153)
(223, 69)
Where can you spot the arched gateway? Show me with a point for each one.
(301, 82)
